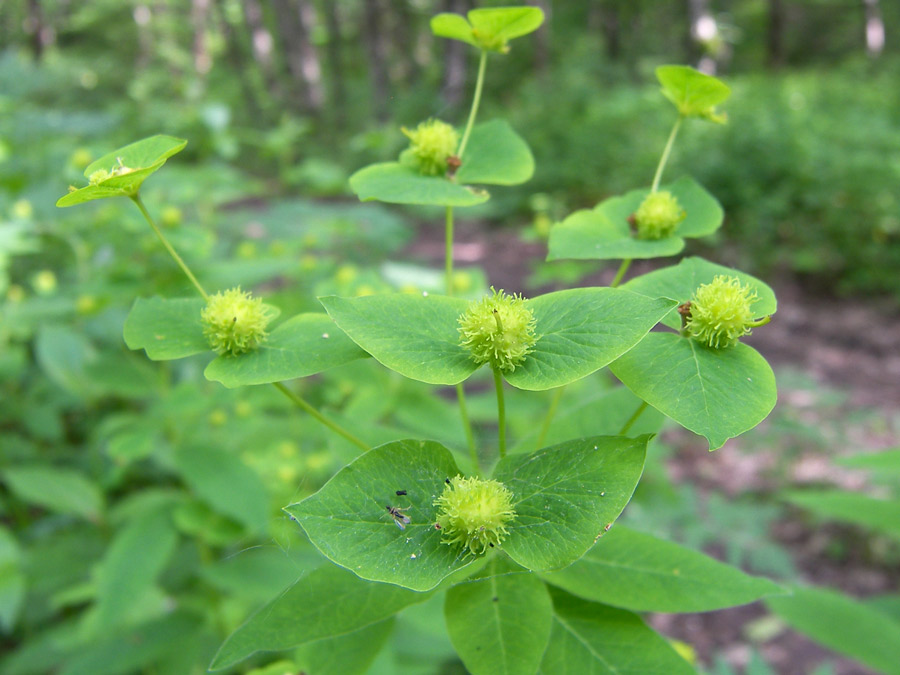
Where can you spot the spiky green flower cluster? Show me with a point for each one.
(498, 329)
(431, 143)
(474, 512)
(234, 322)
(658, 215)
(720, 312)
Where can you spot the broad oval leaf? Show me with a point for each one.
(496, 155)
(349, 654)
(637, 571)
(886, 461)
(166, 328)
(349, 522)
(303, 345)
(454, 27)
(844, 625)
(581, 330)
(679, 282)
(141, 158)
(395, 183)
(56, 489)
(489, 28)
(12, 580)
(414, 335)
(603, 233)
(566, 496)
(716, 393)
(588, 637)
(693, 93)
(881, 515)
(500, 621)
(325, 603)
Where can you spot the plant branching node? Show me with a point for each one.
(474, 512)
(498, 329)
(720, 312)
(234, 322)
(658, 215)
(431, 144)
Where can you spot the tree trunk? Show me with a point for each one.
(235, 56)
(874, 28)
(199, 21)
(294, 19)
(374, 37)
(542, 40)
(261, 44)
(336, 62)
(775, 35)
(454, 59)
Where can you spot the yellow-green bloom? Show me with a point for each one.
(431, 144)
(498, 329)
(474, 512)
(658, 215)
(234, 322)
(719, 313)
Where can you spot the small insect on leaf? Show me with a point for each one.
(401, 493)
(400, 518)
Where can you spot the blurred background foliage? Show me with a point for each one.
(140, 505)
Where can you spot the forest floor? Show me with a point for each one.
(838, 345)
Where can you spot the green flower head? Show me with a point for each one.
(474, 512)
(719, 312)
(431, 144)
(498, 329)
(658, 215)
(234, 322)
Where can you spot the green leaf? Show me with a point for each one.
(166, 328)
(693, 93)
(496, 155)
(414, 335)
(12, 580)
(143, 158)
(55, 489)
(349, 654)
(887, 461)
(639, 572)
(603, 233)
(716, 393)
(395, 183)
(844, 625)
(303, 345)
(224, 482)
(566, 495)
(489, 29)
(881, 515)
(325, 603)
(64, 356)
(580, 331)
(130, 567)
(679, 282)
(500, 622)
(591, 638)
(348, 520)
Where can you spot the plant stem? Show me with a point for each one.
(448, 251)
(306, 407)
(482, 64)
(631, 420)
(467, 425)
(551, 413)
(136, 198)
(621, 273)
(665, 155)
(501, 413)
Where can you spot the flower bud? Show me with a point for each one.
(234, 322)
(474, 512)
(498, 329)
(431, 143)
(719, 313)
(658, 215)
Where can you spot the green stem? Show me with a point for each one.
(501, 413)
(306, 407)
(136, 198)
(631, 420)
(621, 273)
(665, 155)
(482, 64)
(551, 413)
(448, 251)
(467, 425)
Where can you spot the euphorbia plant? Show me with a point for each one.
(514, 540)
